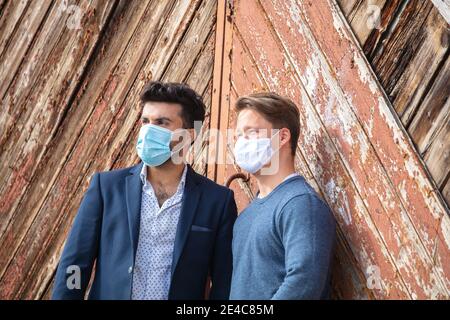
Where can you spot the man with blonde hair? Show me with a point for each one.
(283, 241)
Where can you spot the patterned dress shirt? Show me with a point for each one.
(158, 226)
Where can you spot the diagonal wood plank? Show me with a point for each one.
(154, 38)
(392, 218)
(427, 217)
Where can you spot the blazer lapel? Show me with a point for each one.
(133, 186)
(190, 200)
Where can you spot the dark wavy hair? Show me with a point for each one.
(171, 92)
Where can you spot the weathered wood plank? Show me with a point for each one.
(376, 203)
(432, 41)
(200, 79)
(348, 281)
(364, 16)
(179, 20)
(437, 157)
(45, 113)
(429, 126)
(444, 8)
(10, 15)
(416, 33)
(29, 80)
(433, 113)
(349, 7)
(201, 62)
(446, 189)
(84, 147)
(396, 153)
(222, 32)
(20, 41)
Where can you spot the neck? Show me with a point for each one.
(166, 174)
(267, 183)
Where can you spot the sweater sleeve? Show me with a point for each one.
(307, 230)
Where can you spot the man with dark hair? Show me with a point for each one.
(158, 229)
(283, 241)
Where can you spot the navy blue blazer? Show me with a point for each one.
(106, 230)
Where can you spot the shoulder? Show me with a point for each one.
(303, 200)
(307, 200)
(307, 211)
(119, 173)
(297, 190)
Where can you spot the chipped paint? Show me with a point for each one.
(342, 112)
(414, 172)
(65, 123)
(334, 191)
(364, 73)
(311, 74)
(445, 228)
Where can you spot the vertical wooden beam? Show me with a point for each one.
(220, 91)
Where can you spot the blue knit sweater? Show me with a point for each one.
(283, 245)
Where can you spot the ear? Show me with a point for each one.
(285, 136)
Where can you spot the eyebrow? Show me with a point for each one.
(159, 119)
(249, 128)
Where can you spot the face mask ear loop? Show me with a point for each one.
(271, 139)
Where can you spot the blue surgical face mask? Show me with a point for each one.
(153, 145)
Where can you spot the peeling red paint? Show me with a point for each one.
(351, 145)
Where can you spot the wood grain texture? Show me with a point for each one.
(70, 107)
(352, 148)
(407, 44)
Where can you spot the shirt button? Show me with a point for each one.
(130, 269)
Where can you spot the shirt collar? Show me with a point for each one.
(290, 176)
(286, 178)
(147, 184)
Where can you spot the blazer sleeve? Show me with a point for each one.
(80, 251)
(222, 263)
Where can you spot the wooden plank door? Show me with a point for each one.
(69, 107)
(393, 226)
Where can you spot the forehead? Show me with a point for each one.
(154, 109)
(249, 118)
